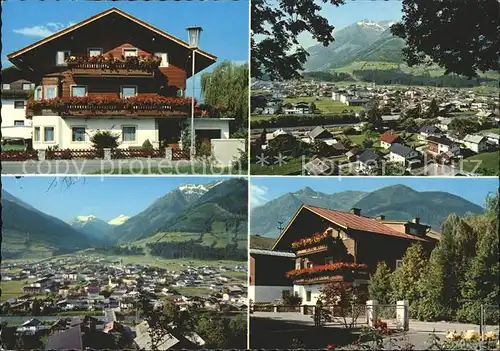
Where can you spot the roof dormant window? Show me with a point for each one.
(62, 57)
(130, 52)
(50, 91)
(164, 58)
(26, 86)
(6, 87)
(95, 52)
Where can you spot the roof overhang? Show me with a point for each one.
(15, 56)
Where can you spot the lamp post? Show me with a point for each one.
(194, 39)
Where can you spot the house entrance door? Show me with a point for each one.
(170, 130)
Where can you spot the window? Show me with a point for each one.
(6, 87)
(79, 90)
(19, 104)
(48, 134)
(128, 91)
(19, 123)
(38, 93)
(130, 52)
(95, 52)
(309, 264)
(399, 263)
(50, 92)
(329, 260)
(26, 86)
(78, 134)
(128, 134)
(36, 134)
(164, 58)
(308, 296)
(62, 57)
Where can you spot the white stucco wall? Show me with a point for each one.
(145, 129)
(213, 124)
(301, 290)
(259, 293)
(11, 114)
(226, 151)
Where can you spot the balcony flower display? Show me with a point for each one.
(110, 62)
(326, 268)
(315, 239)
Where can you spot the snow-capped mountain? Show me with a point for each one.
(349, 44)
(95, 228)
(118, 220)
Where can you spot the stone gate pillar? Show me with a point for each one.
(402, 314)
(371, 312)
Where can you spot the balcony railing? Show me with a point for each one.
(340, 271)
(101, 65)
(88, 106)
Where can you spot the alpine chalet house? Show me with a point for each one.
(337, 246)
(16, 89)
(114, 72)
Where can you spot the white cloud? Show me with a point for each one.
(42, 31)
(258, 195)
(35, 31)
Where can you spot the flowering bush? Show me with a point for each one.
(315, 239)
(333, 267)
(382, 327)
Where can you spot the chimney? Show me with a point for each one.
(381, 218)
(416, 220)
(356, 211)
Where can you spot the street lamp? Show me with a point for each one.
(194, 40)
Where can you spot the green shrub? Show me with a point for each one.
(147, 145)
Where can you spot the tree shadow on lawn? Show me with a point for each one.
(267, 333)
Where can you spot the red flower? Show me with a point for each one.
(331, 347)
(326, 268)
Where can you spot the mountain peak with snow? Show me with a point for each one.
(85, 218)
(119, 220)
(377, 25)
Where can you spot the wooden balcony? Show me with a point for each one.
(94, 107)
(333, 277)
(339, 271)
(312, 250)
(103, 69)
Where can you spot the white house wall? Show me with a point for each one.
(302, 290)
(145, 129)
(11, 114)
(213, 124)
(260, 293)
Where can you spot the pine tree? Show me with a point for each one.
(380, 284)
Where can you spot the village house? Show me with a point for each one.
(321, 167)
(320, 134)
(442, 145)
(113, 72)
(476, 143)
(368, 160)
(331, 246)
(493, 138)
(405, 155)
(299, 108)
(15, 94)
(427, 131)
(387, 139)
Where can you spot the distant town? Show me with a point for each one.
(69, 291)
(312, 127)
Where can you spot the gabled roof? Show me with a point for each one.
(429, 129)
(388, 137)
(475, 139)
(347, 221)
(400, 149)
(368, 156)
(317, 131)
(98, 16)
(440, 140)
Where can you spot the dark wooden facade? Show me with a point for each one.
(16, 80)
(111, 31)
(344, 244)
(271, 270)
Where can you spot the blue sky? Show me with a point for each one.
(472, 189)
(354, 11)
(104, 197)
(225, 23)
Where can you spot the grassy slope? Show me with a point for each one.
(325, 105)
(489, 160)
(12, 288)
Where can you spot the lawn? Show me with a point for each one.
(357, 139)
(325, 105)
(237, 275)
(293, 166)
(172, 264)
(489, 161)
(254, 118)
(490, 130)
(13, 288)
